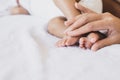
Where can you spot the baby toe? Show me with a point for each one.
(88, 44)
(82, 42)
(93, 37)
(63, 43)
(71, 41)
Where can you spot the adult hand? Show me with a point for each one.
(92, 21)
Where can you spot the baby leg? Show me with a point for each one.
(67, 7)
(56, 27)
(18, 9)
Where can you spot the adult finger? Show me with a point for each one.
(84, 19)
(105, 42)
(71, 21)
(83, 9)
(89, 27)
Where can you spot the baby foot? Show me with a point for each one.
(18, 10)
(87, 42)
(67, 41)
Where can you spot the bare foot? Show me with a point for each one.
(18, 9)
(87, 42)
(67, 41)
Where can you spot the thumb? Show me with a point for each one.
(83, 9)
(69, 22)
(102, 43)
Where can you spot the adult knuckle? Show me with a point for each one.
(110, 19)
(107, 14)
(84, 19)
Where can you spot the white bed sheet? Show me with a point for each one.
(27, 52)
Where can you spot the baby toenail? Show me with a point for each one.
(93, 40)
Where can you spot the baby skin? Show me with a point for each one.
(57, 26)
(18, 9)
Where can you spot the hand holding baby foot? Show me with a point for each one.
(90, 39)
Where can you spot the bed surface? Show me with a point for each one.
(27, 52)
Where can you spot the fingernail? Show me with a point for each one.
(81, 43)
(76, 5)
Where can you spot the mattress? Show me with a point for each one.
(27, 52)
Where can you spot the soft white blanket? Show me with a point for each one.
(27, 52)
